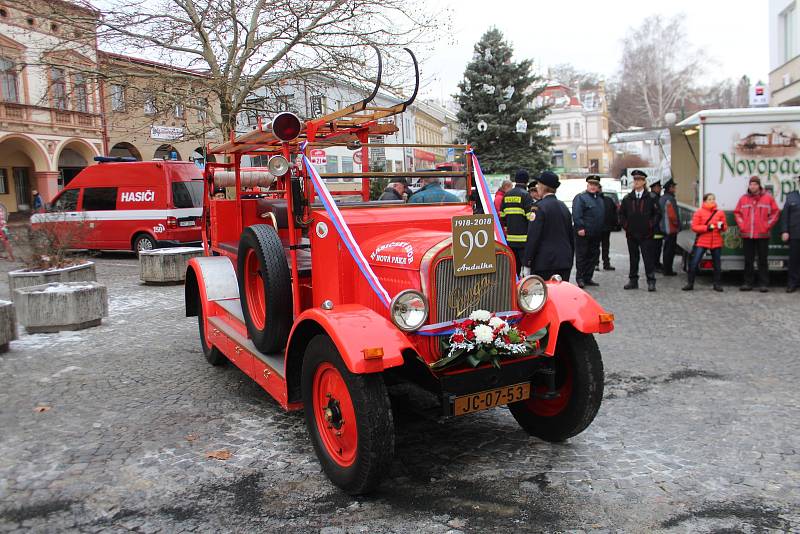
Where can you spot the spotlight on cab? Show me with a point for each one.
(286, 126)
(278, 165)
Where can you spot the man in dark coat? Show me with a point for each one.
(669, 226)
(588, 216)
(551, 240)
(396, 190)
(514, 212)
(658, 237)
(790, 233)
(611, 216)
(639, 215)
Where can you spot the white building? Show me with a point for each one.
(578, 127)
(784, 52)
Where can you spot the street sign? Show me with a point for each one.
(759, 95)
(357, 157)
(318, 156)
(451, 154)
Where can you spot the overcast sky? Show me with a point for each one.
(588, 33)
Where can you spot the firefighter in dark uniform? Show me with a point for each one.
(514, 212)
(551, 239)
(639, 214)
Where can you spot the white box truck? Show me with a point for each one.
(717, 151)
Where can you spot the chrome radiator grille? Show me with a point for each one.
(450, 290)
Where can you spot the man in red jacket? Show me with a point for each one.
(756, 214)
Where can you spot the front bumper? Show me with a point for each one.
(470, 381)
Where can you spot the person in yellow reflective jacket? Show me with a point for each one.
(514, 212)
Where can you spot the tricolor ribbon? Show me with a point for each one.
(344, 231)
(485, 196)
(448, 327)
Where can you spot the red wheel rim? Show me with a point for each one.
(564, 382)
(254, 289)
(334, 414)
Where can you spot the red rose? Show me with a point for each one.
(458, 338)
(470, 335)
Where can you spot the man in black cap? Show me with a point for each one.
(533, 191)
(639, 215)
(669, 226)
(396, 190)
(588, 216)
(514, 212)
(551, 240)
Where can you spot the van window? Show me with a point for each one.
(67, 201)
(99, 198)
(187, 194)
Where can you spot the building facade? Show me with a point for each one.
(51, 122)
(577, 124)
(435, 125)
(784, 52)
(155, 111)
(63, 102)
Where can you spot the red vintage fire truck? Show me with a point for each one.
(327, 304)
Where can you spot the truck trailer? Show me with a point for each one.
(717, 151)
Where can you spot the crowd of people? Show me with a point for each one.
(547, 239)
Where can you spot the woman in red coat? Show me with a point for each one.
(708, 223)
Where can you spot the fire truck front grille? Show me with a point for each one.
(456, 298)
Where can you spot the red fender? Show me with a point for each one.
(567, 303)
(353, 328)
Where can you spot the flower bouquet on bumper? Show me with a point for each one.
(484, 337)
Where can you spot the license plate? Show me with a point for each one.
(186, 223)
(776, 264)
(491, 398)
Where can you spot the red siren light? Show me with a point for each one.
(286, 126)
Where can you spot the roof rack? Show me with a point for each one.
(341, 124)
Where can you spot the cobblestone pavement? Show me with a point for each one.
(697, 431)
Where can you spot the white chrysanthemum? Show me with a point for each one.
(480, 315)
(496, 322)
(484, 333)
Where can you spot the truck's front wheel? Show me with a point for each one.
(579, 390)
(348, 418)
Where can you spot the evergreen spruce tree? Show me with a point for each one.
(498, 92)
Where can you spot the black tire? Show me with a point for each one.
(213, 355)
(375, 428)
(272, 333)
(144, 242)
(579, 352)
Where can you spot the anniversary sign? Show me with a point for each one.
(473, 245)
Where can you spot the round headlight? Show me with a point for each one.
(531, 293)
(409, 310)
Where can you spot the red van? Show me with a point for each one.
(131, 205)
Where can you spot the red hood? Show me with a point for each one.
(402, 250)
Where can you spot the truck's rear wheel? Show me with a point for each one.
(348, 417)
(213, 355)
(265, 287)
(579, 384)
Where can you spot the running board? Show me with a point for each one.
(273, 361)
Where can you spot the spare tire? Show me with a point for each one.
(265, 288)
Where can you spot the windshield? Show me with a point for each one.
(187, 194)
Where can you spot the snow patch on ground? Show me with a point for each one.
(36, 341)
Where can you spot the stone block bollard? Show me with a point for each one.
(61, 306)
(8, 324)
(166, 265)
(84, 272)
